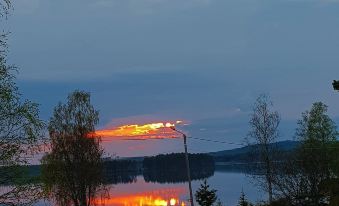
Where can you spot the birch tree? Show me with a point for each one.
(264, 123)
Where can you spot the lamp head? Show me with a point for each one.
(335, 85)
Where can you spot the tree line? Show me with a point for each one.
(171, 168)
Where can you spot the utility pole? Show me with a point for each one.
(335, 85)
(187, 166)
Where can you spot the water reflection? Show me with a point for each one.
(71, 184)
(152, 198)
(139, 192)
(120, 171)
(176, 176)
(144, 194)
(126, 171)
(88, 184)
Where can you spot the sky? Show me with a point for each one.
(201, 61)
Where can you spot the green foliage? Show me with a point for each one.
(3, 44)
(5, 5)
(315, 125)
(205, 196)
(308, 178)
(21, 134)
(279, 202)
(20, 126)
(71, 172)
(243, 201)
(330, 186)
(318, 133)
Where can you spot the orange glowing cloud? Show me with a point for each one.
(157, 130)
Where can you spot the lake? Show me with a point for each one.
(142, 193)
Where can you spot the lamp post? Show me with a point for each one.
(187, 165)
(335, 85)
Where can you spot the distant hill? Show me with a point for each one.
(243, 154)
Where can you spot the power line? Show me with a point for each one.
(217, 141)
(222, 142)
(240, 144)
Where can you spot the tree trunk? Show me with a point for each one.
(270, 191)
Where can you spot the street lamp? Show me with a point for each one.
(187, 165)
(335, 85)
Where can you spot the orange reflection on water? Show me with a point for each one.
(160, 197)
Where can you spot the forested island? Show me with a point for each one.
(172, 167)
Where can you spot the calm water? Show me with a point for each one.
(141, 193)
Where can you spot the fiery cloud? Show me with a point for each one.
(157, 130)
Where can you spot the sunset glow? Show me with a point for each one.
(162, 197)
(157, 130)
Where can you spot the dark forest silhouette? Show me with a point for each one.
(171, 167)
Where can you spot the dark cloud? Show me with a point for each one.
(204, 61)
